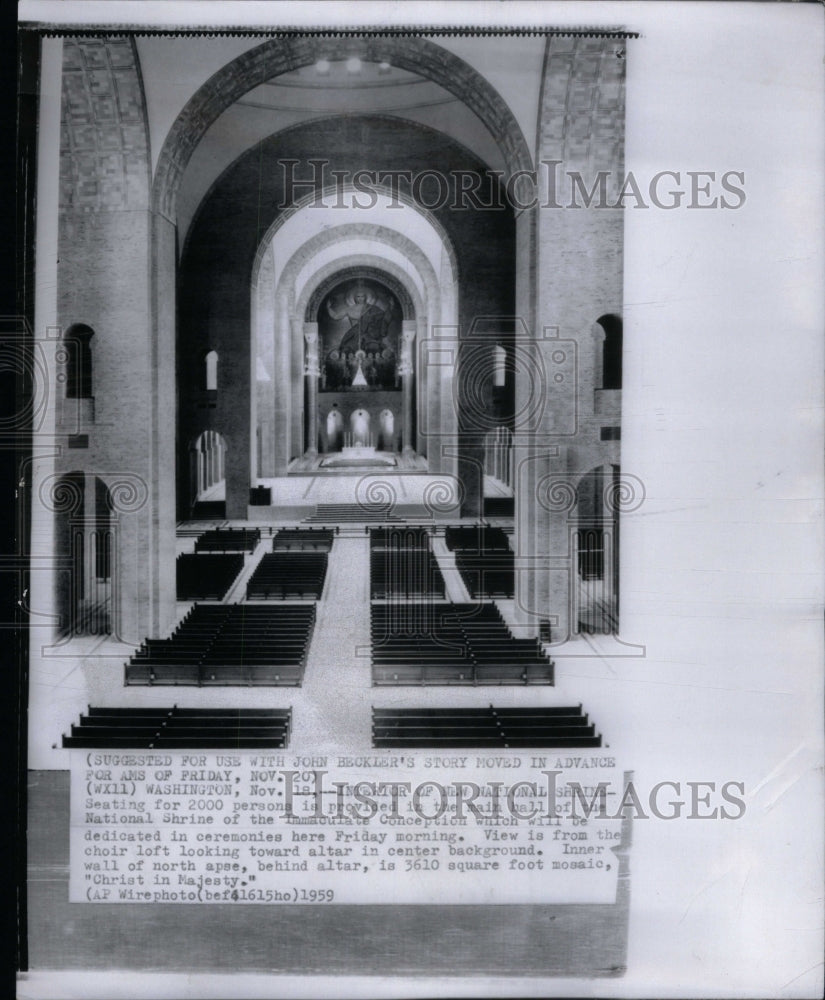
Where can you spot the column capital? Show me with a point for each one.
(408, 333)
(312, 366)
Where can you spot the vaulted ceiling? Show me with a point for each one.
(321, 90)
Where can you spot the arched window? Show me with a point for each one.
(208, 467)
(498, 455)
(211, 371)
(596, 546)
(611, 351)
(77, 341)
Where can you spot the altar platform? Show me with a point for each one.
(390, 493)
(358, 459)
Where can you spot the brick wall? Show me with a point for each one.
(578, 278)
(105, 247)
(104, 145)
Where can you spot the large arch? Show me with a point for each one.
(438, 242)
(280, 55)
(433, 293)
(221, 250)
(427, 267)
(286, 308)
(308, 266)
(360, 270)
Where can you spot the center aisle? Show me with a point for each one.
(454, 585)
(335, 713)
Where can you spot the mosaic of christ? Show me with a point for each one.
(359, 324)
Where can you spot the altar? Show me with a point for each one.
(359, 456)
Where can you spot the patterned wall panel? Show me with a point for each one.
(104, 147)
(583, 106)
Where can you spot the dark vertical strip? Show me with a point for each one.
(19, 73)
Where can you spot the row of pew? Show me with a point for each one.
(304, 539)
(287, 574)
(404, 536)
(499, 507)
(228, 540)
(229, 644)
(484, 559)
(392, 728)
(209, 572)
(182, 728)
(481, 538)
(402, 565)
(206, 576)
(431, 643)
(423, 728)
(487, 575)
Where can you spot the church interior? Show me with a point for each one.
(337, 446)
(327, 440)
(336, 400)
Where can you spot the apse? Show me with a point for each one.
(360, 374)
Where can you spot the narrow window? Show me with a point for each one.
(211, 372)
(78, 343)
(612, 351)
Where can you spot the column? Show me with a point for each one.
(544, 557)
(407, 372)
(47, 335)
(281, 392)
(194, 474)
(312, 372)
(50, 550)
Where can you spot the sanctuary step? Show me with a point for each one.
(182, 728)
(424, 728)
(342, 513)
